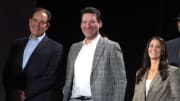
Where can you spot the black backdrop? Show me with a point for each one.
(130, 23)
(13, 24)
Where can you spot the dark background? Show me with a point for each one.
(130, 22)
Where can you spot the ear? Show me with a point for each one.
(47, 26)
(100, 24)
(29, 20)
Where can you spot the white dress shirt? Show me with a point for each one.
(148, 83)
(82, 69)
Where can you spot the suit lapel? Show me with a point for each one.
(22, 47)
(98, 52)
(154, 81)
(41, 45)
(75, 52)
(144, 88)
(72, 57)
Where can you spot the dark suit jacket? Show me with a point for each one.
(108, 77)
(173, 47)
(39, 79)
(167, 90)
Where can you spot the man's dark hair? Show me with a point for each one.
(45, 11)
(92, 10)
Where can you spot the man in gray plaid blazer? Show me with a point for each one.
(95, 66)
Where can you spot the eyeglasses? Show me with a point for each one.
(37, 21)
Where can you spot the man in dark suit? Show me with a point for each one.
(32, 68)
(95, 66)
(173, 47)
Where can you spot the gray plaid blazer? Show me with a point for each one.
(108, 78)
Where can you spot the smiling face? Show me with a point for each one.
(38, 24)
(90, 25)
(154, 49)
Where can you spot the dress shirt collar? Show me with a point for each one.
(94, 41)
(38, 38)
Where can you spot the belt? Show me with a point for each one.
(83, 98)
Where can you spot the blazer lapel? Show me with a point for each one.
(72, 57)
(75, 52)
(98, 52)
(22, 47)
(41, 45)
(154, 81)
(144, 88)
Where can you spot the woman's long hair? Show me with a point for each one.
(163, 65)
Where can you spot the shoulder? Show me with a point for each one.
(173, 69)
(173, 41)
(54, 44)
(77, 44)
(109, 42)
(174, 74)
(19, 41)
(110, 45)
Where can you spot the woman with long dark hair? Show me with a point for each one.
(156, 80)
